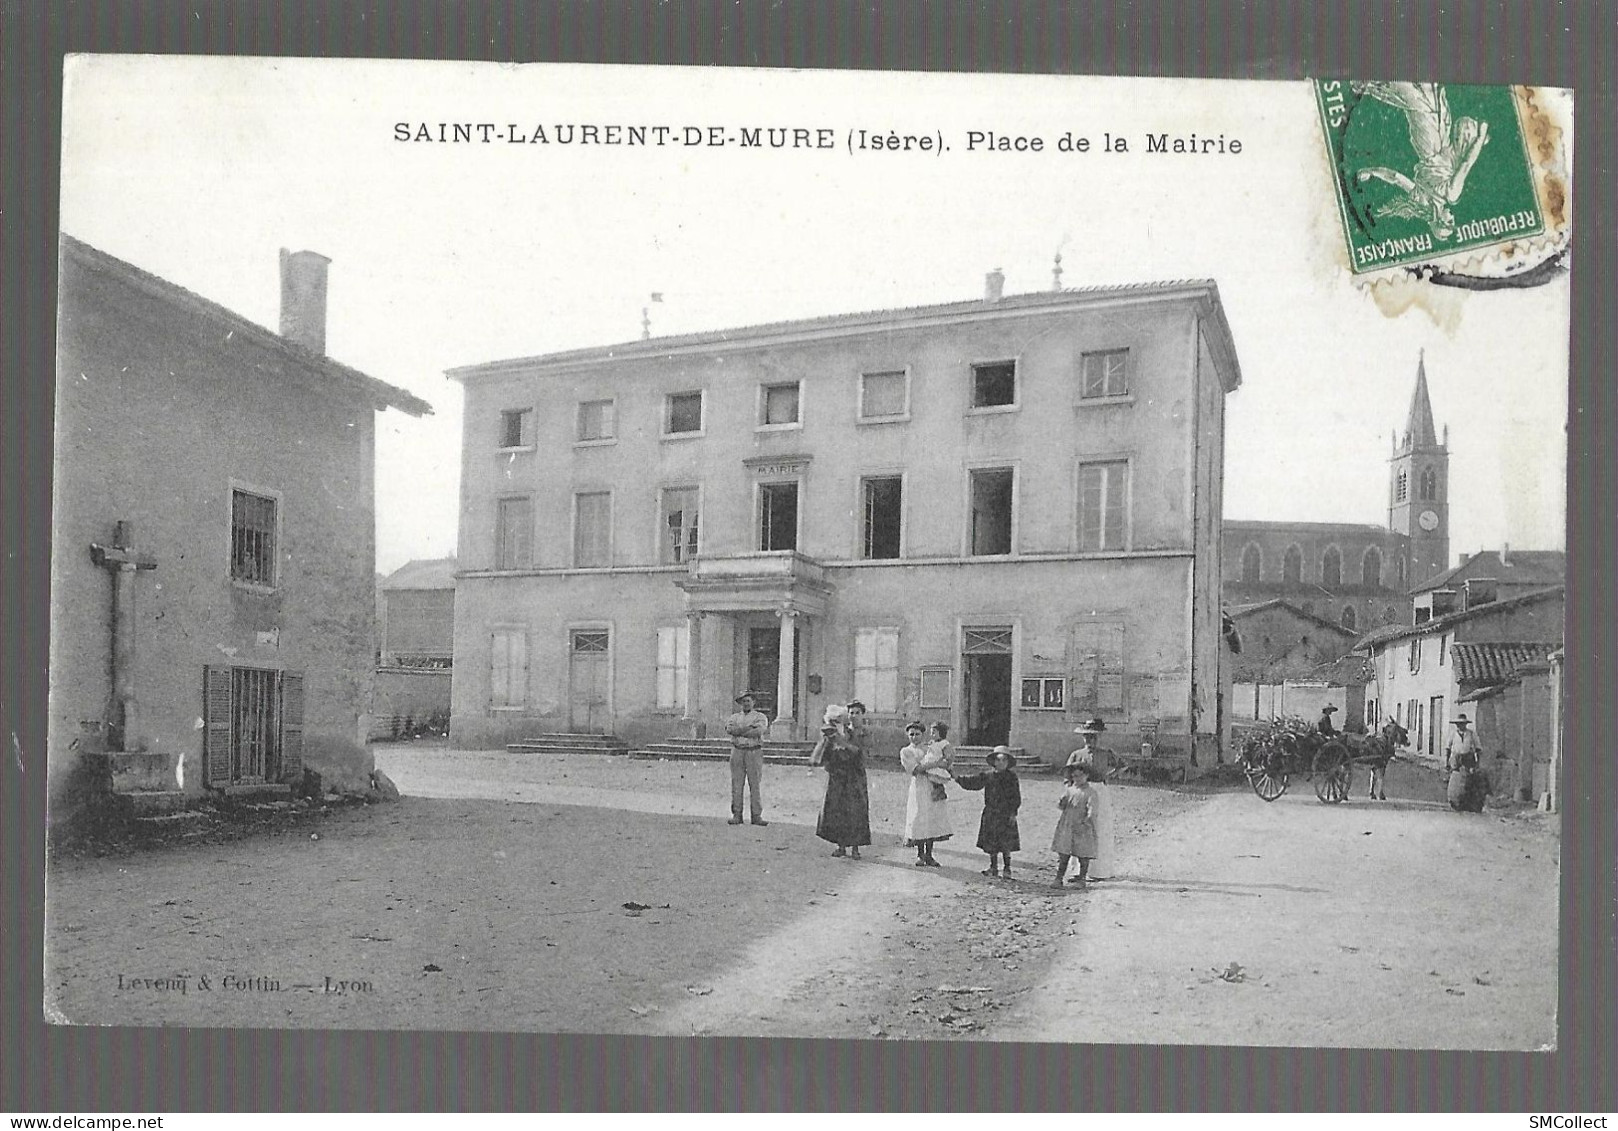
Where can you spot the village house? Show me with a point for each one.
(1293, 663)
(213, 540)
(415, 648)
(1519, 723)
(1356, 574)
(1002, 513)
(1513, 572)
(1460, 642)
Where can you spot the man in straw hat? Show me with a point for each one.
(747, 728)
(1325, 726)
(1462, 753)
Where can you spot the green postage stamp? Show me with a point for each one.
(1429, 171)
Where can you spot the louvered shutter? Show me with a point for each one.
(291, 726)
(216, 731)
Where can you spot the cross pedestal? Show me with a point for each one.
(124, 562)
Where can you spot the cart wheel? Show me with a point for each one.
(1269, 785)
(1336, 774)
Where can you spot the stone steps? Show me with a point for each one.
(564, 743)
(718, 750)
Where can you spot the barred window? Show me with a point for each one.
(252, 538)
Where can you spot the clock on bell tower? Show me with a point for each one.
(1418, 487)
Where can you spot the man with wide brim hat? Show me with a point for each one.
(1325, 725)
(1462, 755)
(747, 728)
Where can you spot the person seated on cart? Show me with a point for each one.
(1324, 726)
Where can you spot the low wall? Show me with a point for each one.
(406, 701)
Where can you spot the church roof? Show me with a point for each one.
(1263, 525)
(1419, 430)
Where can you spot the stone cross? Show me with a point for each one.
(124, 562)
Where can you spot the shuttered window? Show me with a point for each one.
(514, 533)
(592, 529)
(1101, 505)
(876, 669)
(253, 725)
(508, 668)
(673, 650)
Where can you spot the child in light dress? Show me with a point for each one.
(1075, 837)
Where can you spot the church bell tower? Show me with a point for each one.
(1418, 487)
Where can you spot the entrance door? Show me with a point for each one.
(587, 682)
(986, 664)
(764, 667)
(1435, 725)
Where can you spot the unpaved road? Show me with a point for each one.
(493, 897)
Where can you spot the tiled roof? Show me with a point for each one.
(1491, 663)
(1438, 624)
(1242, 611)
(1521, 567)
(423, 573)
(1033, 302)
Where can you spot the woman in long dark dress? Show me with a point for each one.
(1002, 797)
(845, 817)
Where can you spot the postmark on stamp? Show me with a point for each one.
(1430, 173)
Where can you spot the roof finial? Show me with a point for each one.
(1056, 272)
(646, 316)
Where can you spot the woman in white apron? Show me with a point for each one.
(1099, 759)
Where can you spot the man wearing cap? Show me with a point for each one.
(1461, 755)
(746, 728)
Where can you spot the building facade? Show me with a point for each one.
(1291, 663)
(1004, 514)
(417, 627)
(1356, 574)
(213, 535)
(1420, 672)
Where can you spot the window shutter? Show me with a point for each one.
(291, 726)
(216, 717)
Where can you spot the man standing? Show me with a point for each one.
(746, 728)
(1466, 790)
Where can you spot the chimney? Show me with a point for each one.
(994, 285)
(1480, 591)
(303, 298)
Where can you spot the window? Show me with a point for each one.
(517, 428)
(1098, 666)
(884, 396)
(1105, 374)
(876, 669)
(514, 533)
(683, 414)
(882, 505)
(1331, 568)
(678, 539)
(1102, 489)
(1392, 669)
(1292, 566)
(1399, 569)
(592, 529)
(1415, 655)
(1370, 714)
(1371, 569)
(778, 516)
(252, 538)
(1443, 648)
(1401, 487)
(935, 688)
(508, 668)
(1252, 560)
(1044, 693)
(778, 405)
(994, 384)
(1429, 484)
(991, 490)
(598, 421)
(1350, 617)
(254, 725)
(673, 656)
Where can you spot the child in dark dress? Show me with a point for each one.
(1002, 797)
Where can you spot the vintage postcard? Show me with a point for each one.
(886, 556)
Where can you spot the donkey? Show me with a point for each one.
(1377, 751)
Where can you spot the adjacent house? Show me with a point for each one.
(416, 640)
(1422, 672)
(213, 538)
(1291, 663)
(1003, 513)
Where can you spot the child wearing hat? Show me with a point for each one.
(1076, 828)
(1100, 760)
(1002, 797)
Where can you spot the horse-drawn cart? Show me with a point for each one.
(1289, 747)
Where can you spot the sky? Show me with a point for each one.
(447, 254)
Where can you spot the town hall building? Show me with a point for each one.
(1003, 513)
